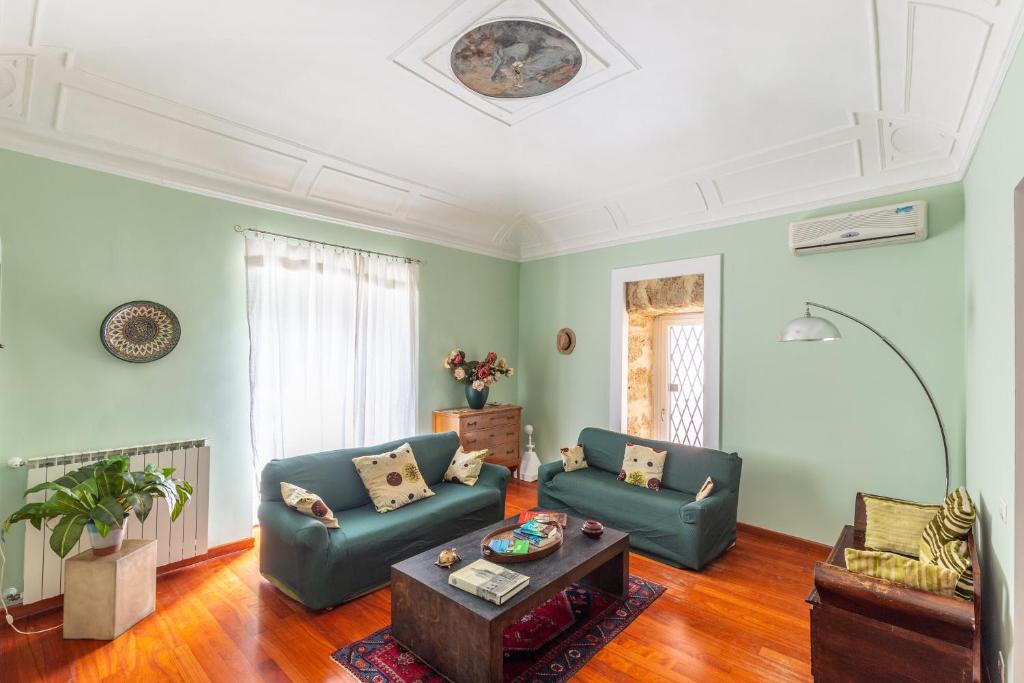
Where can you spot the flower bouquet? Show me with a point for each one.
(477, 375)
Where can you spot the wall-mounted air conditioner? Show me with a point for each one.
(871, 228)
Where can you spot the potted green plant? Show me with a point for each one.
(98, 497)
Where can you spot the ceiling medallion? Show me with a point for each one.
(514, 58)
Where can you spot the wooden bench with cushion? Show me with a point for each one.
(868, 629)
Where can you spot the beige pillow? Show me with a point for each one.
(902, 570)
(895, 525)
(465, 467)
(308, 504)
(392, 479)
(573, 458)
(705, 490)
(642, 466)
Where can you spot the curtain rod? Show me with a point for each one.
(408, 259)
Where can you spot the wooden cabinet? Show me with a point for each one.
(495, 427)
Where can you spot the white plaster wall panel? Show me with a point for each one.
(671, 199)
(807, 170)
(89, 115)
(17, 21)
(15, 85)
(361, 192)
(944, 51)
(448, 216)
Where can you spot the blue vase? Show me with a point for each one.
(476, 399)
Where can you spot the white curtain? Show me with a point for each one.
(333, 347)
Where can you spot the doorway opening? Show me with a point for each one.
(665, 350)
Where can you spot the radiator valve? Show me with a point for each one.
(15, 463)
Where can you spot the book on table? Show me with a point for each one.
(489, 581)
(559, 518)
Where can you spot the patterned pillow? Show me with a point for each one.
(902, 570)
(954, 555)
(705, 489)
(642, 466)
(896, 525)
(308, 504)
(465, 467)
(573, 458)
(951, 523)
(392, 479)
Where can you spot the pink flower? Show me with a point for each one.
(491, 357)
(483, 371)
(457, 359)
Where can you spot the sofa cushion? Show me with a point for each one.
(392, 479)
(686, 467)
(902, 570)
(643, 466)
(465, 467)
(573, 458)
(596, 492)
(895, 526)
(334, 477)
(951, 523)
(308, 503)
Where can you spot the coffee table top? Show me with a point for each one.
(574, 551)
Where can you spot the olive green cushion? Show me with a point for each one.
(954, 555)
(952, 523)
(895, 525)
(902, 570)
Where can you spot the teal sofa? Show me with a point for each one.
(668, 524)
(323, 567)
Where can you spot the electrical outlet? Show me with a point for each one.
(12, 596)
(1002, 509)
(1002, 668)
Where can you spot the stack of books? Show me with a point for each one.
(538, 534)
(489, 581)
(559, 518)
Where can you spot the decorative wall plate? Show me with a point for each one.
(140, 331)
(514, 58)
(565, 341)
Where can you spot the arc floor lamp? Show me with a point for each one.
(812, 328)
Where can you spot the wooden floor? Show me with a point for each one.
(742, 618)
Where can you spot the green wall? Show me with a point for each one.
(997, 168)
(76, 243)
(814, 423)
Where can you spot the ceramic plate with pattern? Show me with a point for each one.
(140, 331)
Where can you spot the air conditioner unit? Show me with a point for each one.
(874, 227)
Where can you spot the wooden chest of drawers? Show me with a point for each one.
(495, 427)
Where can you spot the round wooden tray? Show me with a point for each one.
(507, 558)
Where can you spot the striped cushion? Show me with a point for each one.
(895, 525)
(952, 523)
(954, 555)
(902, 570)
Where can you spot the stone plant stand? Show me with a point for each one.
(106, 595)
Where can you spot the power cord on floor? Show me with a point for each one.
(3, 602)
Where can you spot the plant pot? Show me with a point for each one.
(109, 545)
(476, 399)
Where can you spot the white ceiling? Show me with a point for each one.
(685, 115)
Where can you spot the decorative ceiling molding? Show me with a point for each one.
(934, 70)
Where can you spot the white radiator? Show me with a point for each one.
(181, 540)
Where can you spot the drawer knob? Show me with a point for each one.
(471, 424)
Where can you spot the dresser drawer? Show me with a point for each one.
(473, 423)
(488, 438)
(505, 454)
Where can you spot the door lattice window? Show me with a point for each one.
(686, 383)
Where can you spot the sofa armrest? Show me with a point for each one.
(548, 471)
(495, 476)
(718, 505)
(281, 524)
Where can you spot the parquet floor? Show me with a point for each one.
(741, 619)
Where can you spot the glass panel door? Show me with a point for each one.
(679, 378)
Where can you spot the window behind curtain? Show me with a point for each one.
(333, 347)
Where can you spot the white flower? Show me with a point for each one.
(501, 364)
(447, 364)
(509, 373)
(460, 374)
(479, 385)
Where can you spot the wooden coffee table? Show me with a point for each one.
(459, 634)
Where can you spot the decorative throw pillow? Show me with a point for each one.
(951, 523)
(642, 466)
(392, 479)
(953, 555)
(465, 467)
(902, 570)
(895, 525)
(308, 504)
(705, 489)
(573, 458)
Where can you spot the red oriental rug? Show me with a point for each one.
(550, 644)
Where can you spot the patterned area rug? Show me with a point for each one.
(549, 645)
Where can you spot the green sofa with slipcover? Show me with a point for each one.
(669, 524)
(323, 567)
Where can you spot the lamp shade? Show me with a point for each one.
(809, 328)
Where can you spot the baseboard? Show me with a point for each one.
(780, 537)
(57, 601)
